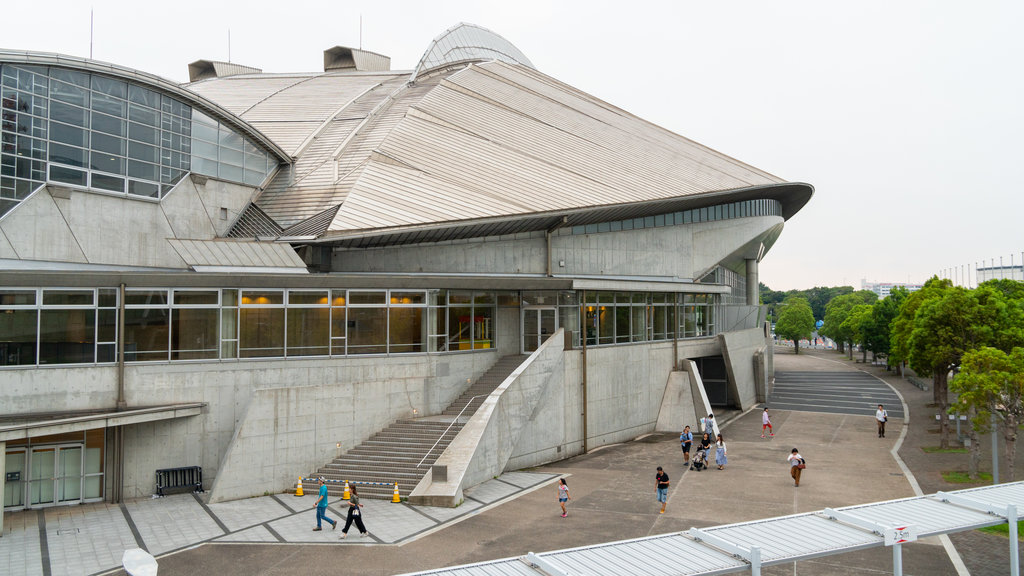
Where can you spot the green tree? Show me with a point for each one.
(883, 312)
(836, 314)
(795, 321)
(903, 324)
(945, 328)
(991, 381)
(857, 324)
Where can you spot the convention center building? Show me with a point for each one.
(255, 272)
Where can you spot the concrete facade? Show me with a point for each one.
(64, 225)
(683, 251)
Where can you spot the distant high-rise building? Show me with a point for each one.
(884, 288)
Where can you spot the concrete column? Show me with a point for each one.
(753, 294)
(3, 482)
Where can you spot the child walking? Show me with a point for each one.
(563, 495)
(766, 424)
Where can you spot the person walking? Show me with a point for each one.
(796, 466)
(720, 453)
(709, 425)
(705, 447)
(686, 440)
(354, 514)
(881, 416)
(661, 487)
(563, 495)
(766, 424)
(321, 507)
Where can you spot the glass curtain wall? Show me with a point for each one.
(79, 326)
(93, 131)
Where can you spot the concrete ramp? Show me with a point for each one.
(486, 443)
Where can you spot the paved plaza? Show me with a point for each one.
(612, 499)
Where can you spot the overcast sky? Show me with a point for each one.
(906, 117)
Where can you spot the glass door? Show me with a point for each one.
(14, 487)
(55, 475)
(69, 474)
(42, 465)
(537, 325)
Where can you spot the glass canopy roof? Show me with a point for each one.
(465, 43)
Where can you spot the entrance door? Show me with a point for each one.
(55, 475)
(14, 488)
(42, 463)
(538, 324)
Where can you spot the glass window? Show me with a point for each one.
(405, 330)
(67, 336)
(69, 114)
(17, 332)
(70, 155)
(107, 105)
(147, 333)
(375, 298)
(140, 95)
(194, 333)
(68, 93)
(261, 332)
(108, 124)
(143, 133)
(367, 330)
(69, 134)
(147, 189)
(68, 297)
(309, 331)
(622, 325)
(68, 176)
(262, 298)
(106, 162)
(109, 86)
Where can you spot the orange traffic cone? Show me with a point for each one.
(298, 491)
(347, 494)
(396, 498)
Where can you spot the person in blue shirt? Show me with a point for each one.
(686, 440)
(321, 507)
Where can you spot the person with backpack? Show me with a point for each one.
(796, 466)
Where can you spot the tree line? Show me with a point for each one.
(968, 341)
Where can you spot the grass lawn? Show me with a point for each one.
(960, 477)
(1004, 530)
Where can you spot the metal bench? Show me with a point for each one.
(174, 478)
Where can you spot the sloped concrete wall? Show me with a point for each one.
(677, 407)
(739, 349)
(64, 225)
(486, 443)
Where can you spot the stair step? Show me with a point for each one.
(396, 453)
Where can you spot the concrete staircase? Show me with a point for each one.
(395, 453)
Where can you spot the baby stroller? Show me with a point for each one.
(699, 461)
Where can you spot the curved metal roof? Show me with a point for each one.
(479, 147)
(189, 97)
(468, 43)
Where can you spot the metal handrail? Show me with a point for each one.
(450, 427)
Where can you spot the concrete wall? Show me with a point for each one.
(65, 225)
(486, 443)
(675, 251)
(268, 421)
(271, 419)
(677, 407)
(739, 349)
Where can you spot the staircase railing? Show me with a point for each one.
(450, 427)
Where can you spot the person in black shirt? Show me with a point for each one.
(661, 486)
